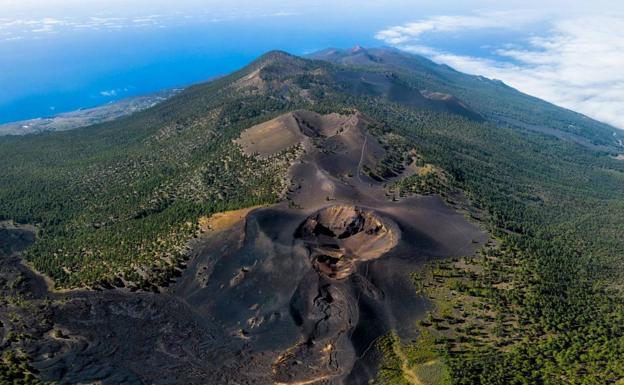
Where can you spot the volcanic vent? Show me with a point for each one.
(340, 236)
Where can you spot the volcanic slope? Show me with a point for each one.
(116, 204)
(292, 293)
(445, 89)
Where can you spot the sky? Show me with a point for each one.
(59, 55)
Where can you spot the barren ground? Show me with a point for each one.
(295, 293)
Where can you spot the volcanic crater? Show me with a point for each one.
(339, 236)
(294, 293)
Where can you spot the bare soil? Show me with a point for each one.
(294, 293)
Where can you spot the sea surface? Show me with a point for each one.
(59, 65)
(64, 72)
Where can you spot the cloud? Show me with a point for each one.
(576, 64)
(109, 93)
(441, 24)
(113, 93)
(36, 27)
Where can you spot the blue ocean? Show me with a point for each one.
(63, 72)
(60, 65)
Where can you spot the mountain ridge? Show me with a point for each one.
(367, 224)
(394, 58)
(377, 57)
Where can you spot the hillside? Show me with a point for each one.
(358, 164)
(493, 99)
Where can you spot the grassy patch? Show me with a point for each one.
(418, 363)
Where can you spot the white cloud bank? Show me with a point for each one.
(22, 28)
(440, 24)
(578, 64)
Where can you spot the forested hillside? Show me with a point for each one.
(116, 204)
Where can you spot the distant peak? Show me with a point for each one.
(276, 56)
(357, 48)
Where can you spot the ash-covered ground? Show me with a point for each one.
(294, 293)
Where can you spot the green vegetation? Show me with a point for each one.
(553, 205)
(414, 364)
(15, 370)
(21, 322)
(542, 305)
(116, 203)
(427, 180)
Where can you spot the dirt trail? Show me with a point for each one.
(360, 163)
(408, 373)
